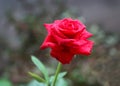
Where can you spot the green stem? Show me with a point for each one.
(57, 72)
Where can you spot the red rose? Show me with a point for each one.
(66, 38)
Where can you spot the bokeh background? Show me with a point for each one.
(22, 32)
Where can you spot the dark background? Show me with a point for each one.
(22, 32)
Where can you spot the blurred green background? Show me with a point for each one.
(22, 33)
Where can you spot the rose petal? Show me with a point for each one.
(60, 40)
(86, 48)
(48, 27)
(64, 56)
(66, 38)
(48, 42)
(85, 34)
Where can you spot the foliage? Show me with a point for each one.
(48, 80)
(5, 82)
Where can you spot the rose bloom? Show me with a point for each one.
(66, 38)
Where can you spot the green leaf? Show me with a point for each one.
(60, 75)
(5, 82)
(36, 77)
(61, 82)
(41, 67)
(35, 83)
